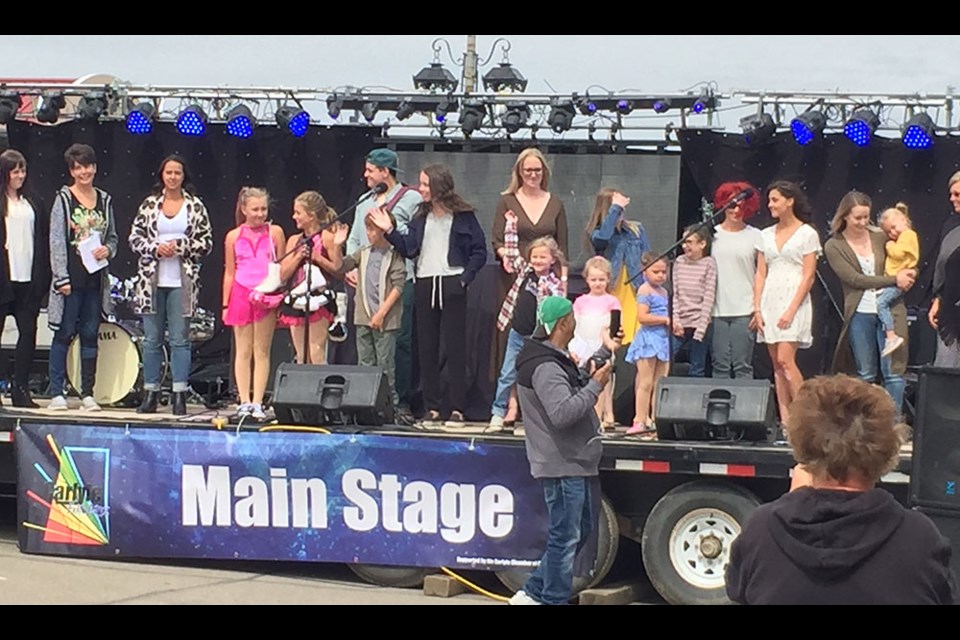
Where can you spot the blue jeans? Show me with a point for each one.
(866, 339)
(571, 522)
(169, 316)
(81, 314)
(697, 352)
(508, 374)
(886, 298)
(732, 347)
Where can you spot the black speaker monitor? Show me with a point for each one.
(935, 466)
(331, 395)
(714, 409)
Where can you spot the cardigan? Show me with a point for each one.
(467, 243)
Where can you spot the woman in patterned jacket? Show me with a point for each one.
(171, 234)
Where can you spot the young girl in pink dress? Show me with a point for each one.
(592, 312)
(248, 252)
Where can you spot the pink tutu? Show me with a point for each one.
(240, 311)
(316, 316)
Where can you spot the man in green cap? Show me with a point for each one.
(562, 436)
(381, 167)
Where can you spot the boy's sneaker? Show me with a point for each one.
(521, 597)
(496, 425)
(891, 345)
(58, 403)
(455, 420)
(89, 404)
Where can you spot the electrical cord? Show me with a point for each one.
(474, 587)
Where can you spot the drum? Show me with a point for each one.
(119, 364)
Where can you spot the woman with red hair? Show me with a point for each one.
(735, 251)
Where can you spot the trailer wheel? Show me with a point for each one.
(686, 540)
(608, 544)
(387, 576)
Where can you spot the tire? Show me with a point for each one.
(387, 576)
(686, 540)
(608, 544)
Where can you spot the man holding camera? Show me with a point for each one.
(562, 434)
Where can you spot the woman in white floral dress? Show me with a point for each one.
(786, 270)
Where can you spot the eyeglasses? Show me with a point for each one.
(533, 171)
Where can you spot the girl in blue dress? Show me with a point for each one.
(650, 349)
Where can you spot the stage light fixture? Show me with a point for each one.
(807, 126)
(861, 126)
(334, 105)
(472, 116)
(141, 117)
(293, 119)
(918, 132)
(443, 107)
(240, 121)
(369, 110)
(9, 106)
(504, 78)
(587, 106)
(406, 109)
(435, 77)
(624, 106)
(758, 127)
(699, 106)
(515, 117)
(561, 115)
(662, 105)
(92, 106)
(51, 102)
(192, 121)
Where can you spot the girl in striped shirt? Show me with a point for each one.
(694, 291)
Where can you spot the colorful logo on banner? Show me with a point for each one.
(76, 505)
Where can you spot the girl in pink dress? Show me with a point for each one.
(249, 250)
(592, 312)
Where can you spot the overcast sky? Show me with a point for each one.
(648, 64)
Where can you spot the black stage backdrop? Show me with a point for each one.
(886, 170)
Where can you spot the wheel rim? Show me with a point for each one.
(700, 546)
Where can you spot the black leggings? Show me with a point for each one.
(441, 308)
(25, 308)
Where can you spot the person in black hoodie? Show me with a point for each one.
(24, 268)
(562, 436)
(836, 538)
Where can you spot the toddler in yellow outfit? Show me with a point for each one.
(903, 252)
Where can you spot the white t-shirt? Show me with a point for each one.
(868, 303)
(736, 255)
(434, 252)
(175, 228)
(19, 226)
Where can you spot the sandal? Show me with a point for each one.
(645, 432)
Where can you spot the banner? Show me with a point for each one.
(368, 499)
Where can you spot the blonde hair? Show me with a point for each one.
(516, 177)
(598, 263)
(550, 244)
(245, 194)
(954, 179)
(899, 209)
(314, 203)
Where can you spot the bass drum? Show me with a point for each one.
(119, 364)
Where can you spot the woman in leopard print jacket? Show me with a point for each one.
(171, 234)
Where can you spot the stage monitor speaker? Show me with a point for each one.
(331, 396)
(935, 466)
(948, 522)
(714, 409)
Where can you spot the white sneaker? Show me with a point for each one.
(521, 597)
(496, 425)
(89, 404)
(244, 410)
(257, 412)
(891, 345)
(58, 403)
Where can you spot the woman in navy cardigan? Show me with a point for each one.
(449, 248)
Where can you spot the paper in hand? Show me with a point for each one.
(86, 248)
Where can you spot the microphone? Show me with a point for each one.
(743, 195)
(380, 188)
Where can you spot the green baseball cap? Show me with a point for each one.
(551, 309)
(384, 159)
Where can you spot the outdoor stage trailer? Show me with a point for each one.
(393, 503)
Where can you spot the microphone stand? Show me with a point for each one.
(308, 242)
(709, 220)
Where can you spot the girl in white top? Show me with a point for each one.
(24, 269)
(786, 269)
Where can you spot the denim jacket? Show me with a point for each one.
(621, 246)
